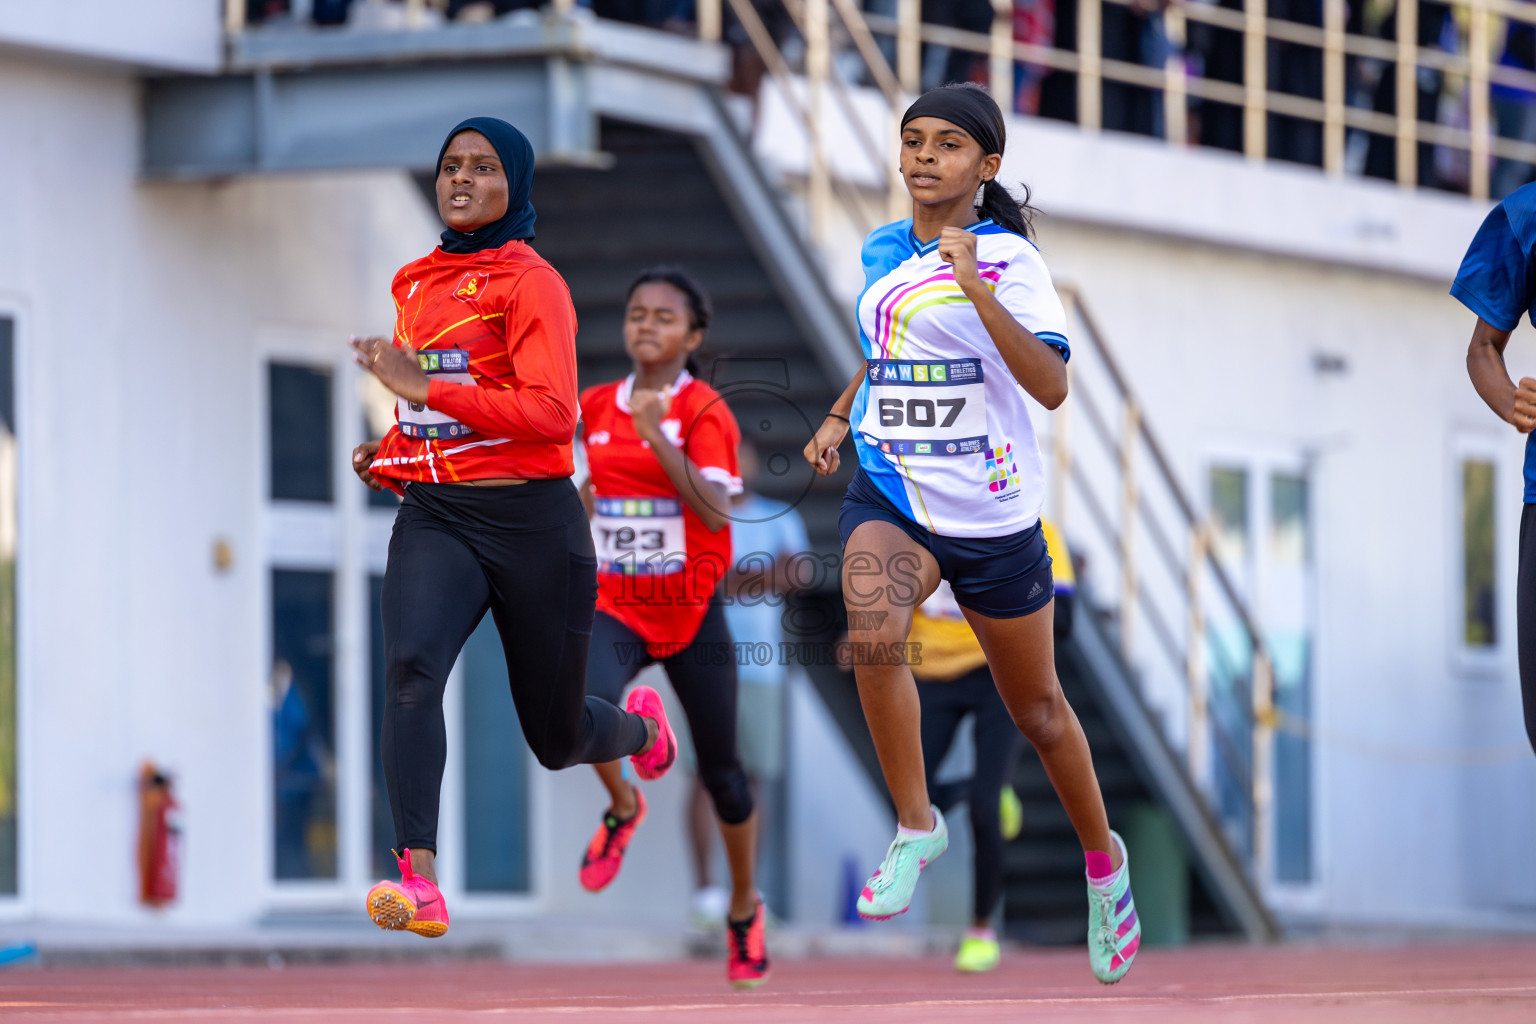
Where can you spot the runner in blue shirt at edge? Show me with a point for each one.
(1497, 281)
(958, 320)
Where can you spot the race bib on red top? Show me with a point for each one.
(451, 365)
(639, 536)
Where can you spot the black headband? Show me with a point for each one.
(964, 107)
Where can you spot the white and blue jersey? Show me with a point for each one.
(941, 426)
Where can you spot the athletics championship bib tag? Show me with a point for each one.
(451, 365)
(928, 409)
(639, 536)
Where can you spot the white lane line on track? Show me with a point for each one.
(748, 1003)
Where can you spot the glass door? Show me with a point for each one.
(1261, 514)
(327, 542)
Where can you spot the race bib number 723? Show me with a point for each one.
(639, 536)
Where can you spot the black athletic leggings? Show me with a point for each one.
(525, 553)
(1525, 618)
(998, 743)
(703, 674)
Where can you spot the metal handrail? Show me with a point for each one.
(1192, 660)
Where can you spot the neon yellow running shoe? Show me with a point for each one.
(979, 951)
(1010, 812)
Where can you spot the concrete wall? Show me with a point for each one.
(139, 309)
(181, 35)
(1218, 343)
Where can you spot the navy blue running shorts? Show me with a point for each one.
(999, 577)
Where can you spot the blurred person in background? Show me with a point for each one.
(1216, 53)
(1514, 108)
(1034, 22)
(1432, 29)
(297, 758)
(483, 361)
(765, 536)
(1497, 281)
(672, 15)
(942, 64)
(487, 10)
(1134, 34)
(747, 65)
(661, 454)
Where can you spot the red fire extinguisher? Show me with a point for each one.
(159, 836)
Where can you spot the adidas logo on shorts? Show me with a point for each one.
(1035, 591)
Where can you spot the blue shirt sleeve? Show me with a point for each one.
(1495, 277)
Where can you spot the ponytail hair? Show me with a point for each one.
(1008, 210)
(700, 309)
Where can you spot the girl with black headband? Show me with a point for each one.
(959, 320)
(483, 362)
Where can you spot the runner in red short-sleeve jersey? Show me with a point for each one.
(661, 449)
(654, 585)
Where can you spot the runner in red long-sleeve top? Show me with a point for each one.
(483, 367)
(502, 393)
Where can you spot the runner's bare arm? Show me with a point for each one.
(1037, 367)
(1485, 365)
(821, 450)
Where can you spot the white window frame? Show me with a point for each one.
(17, 309)
(1482, 662)
(298, 535)
(350, 539)
(1261, 460)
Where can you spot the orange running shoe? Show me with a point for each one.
(605, 853)
(747, 960)
(413, 904)
(652, 764)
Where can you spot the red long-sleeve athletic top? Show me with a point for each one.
(496, 334)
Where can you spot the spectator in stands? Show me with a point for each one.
(1216, 54)
(1134, 34)
(329, 12)
(747, 67)
(1514, 109)
(1381, 152)
(667, 14)
(486, 10)
(1296, 70)
(943, 64)
(259, 11)
(1034, 23)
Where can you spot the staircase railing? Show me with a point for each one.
(1183, 625)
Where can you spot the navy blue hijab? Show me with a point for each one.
(517, 161)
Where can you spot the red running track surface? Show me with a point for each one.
(1318, 985)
